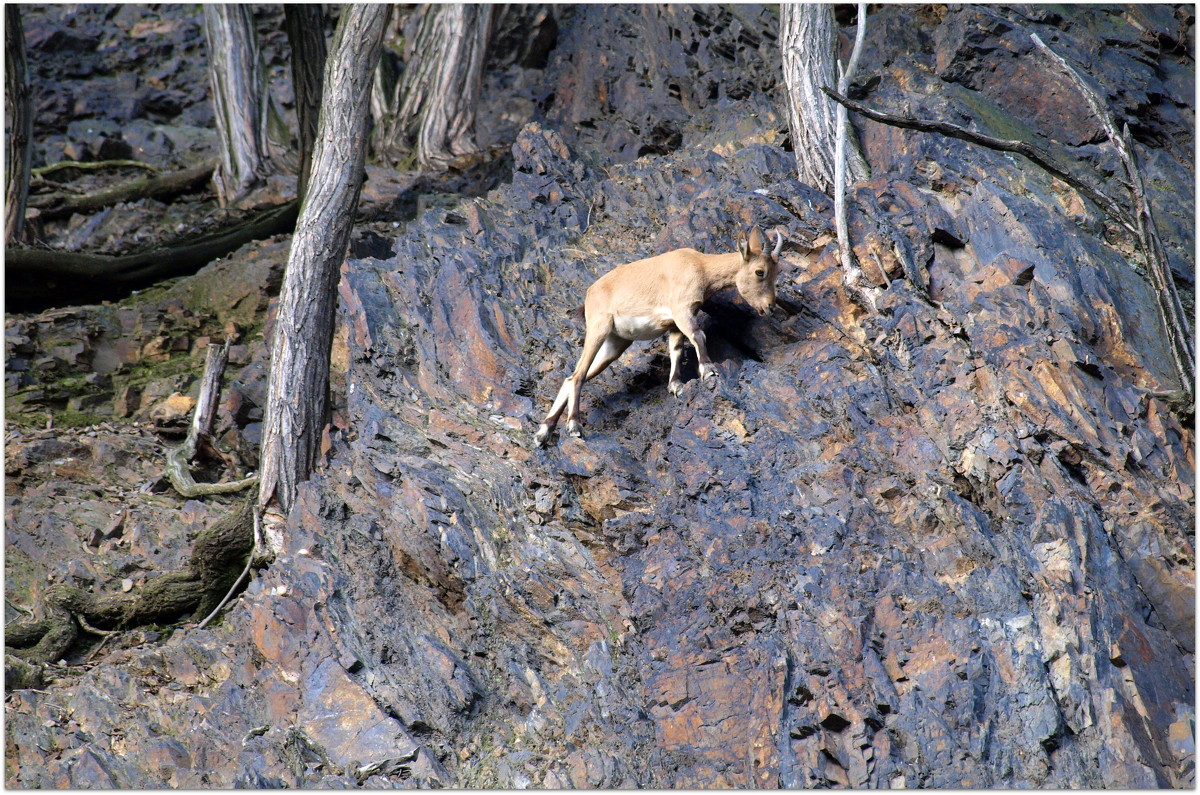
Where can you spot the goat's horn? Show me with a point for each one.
(778, 243)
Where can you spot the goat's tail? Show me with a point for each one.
(578, 314)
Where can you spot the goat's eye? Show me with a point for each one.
(761, 274)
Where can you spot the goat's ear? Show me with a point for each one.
(743, 245)
(756, 241)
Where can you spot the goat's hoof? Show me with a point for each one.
(574, 429)
(707, 371)
(543, 433)
(675, 387)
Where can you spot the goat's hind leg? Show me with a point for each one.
(600, 347)
(568, 394)
(556, 409)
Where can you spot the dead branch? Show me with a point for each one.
(1170, 308)
(1023, 148)
(56, 205)
(36, 279)
(179, 458)
(92, 165)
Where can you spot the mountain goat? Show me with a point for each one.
(661, 295)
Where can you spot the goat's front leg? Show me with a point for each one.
(686, 322)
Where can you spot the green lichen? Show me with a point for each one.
(990, 118)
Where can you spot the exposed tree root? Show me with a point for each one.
(91, 165)
(218, 557)
(38, 279)
(58, 205)
(20, 675)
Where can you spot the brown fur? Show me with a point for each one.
(661, 295)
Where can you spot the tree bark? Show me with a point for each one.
(239, 98)
(432, 111)
(809, 42)
(18, 109)
(298, 388)
(306, 33)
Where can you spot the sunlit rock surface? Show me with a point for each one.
(949, 545)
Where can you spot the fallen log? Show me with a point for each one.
(38, 279)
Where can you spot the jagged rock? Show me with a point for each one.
(176, 409)
(947, 545)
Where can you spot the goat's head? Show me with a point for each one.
(759, 271)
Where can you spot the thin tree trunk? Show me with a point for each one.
(809, 42)
(306, 34)
(18, 109)
(298, 388)
(239, 99)
(852, 274)
(438, 92)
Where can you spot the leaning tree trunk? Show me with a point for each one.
(18, 109)
(809, 41)
(298, 388)
(305, 24)
(432, 111)
(239, 98)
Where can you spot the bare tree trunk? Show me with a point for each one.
(852, 274)
(239, 98)
(298, 388)
(432, 111)
(809, 41)
(306, 33)
(18, 110)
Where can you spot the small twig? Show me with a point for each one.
(92, 654)
(59, 186)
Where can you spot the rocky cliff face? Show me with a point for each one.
(951, 544)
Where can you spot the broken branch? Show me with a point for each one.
(179, 458)
(1023, 148)
(36, 279)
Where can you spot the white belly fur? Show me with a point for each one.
(641, 327)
